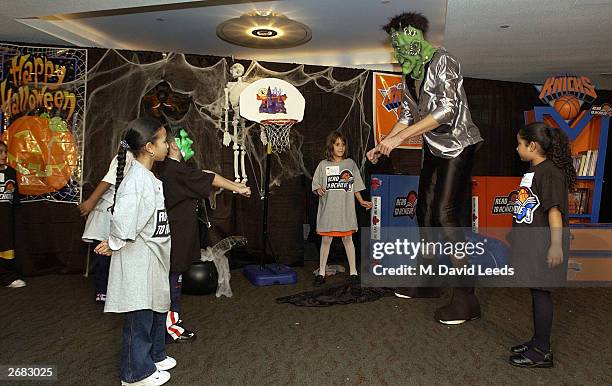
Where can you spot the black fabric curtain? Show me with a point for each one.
(497, 108)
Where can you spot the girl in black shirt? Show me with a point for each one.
(540, 216)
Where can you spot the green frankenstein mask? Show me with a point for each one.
(184, 144)
(412, 51)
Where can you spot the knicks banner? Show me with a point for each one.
(387, 104)
(42, 91)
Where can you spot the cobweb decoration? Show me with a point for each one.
(118, 84)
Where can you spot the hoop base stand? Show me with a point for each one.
(268, 274)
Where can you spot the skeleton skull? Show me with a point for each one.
(237, 70)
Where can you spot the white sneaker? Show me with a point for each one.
(155, 379)
(402, 296)
(17, 284)
(100, 298)
(166, 364)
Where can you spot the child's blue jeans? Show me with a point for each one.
(143, 344)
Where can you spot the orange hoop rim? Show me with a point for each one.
(278, 121)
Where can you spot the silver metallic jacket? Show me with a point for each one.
(443, 97)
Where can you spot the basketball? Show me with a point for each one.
(567, 106)
(522, 195)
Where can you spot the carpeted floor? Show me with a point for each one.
(251, 340)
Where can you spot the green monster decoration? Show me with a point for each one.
(184, 143)
(56, 123)
(412, 51)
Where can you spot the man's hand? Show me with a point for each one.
(103, 249)
(388, 144)
(555, 256)
(373, 155)
(85, 207)
(320, 192)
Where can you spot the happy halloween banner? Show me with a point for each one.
(31, 82)
(42, 95)
(387, 106)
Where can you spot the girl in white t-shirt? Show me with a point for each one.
(97, 227)
(139, 242)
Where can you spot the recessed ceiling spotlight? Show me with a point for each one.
(504, 26)
(160, 19)
(264, 32)
(264, 29)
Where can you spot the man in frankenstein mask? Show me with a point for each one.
(434, 106)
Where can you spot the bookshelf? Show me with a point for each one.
(589, 138)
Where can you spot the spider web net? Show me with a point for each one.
(119, 83)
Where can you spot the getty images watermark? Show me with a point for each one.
(460, 251)
(487, 257)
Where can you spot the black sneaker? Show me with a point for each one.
(540, 359)
(354, 280)
(319, 279)
(186, 337)
(521, 348)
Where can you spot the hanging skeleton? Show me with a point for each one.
(236, 139)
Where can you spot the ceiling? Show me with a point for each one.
(544, 37)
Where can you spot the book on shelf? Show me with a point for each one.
(578, 201)
(585, 163)
(593, 163)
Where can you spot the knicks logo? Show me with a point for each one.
(375, 183)
(392, 98)
(557, 86)
(525, 205)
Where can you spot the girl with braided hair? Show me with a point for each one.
(539, 237)
(139, 243)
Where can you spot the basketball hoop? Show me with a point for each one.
(276, 105)
(277, 134)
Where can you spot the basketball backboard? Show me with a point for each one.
(271, 99)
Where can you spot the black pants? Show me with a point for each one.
(176, 285)
(173, 319)
(445, 191)
(542, 318)
(7, 272)
(445, 200)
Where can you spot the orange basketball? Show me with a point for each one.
(523, 195)
(567, 106)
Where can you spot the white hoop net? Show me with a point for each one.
(277, 133)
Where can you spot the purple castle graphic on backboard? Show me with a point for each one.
(272, 101)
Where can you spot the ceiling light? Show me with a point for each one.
(264, 29)
(264, 32)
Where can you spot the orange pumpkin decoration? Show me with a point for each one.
(43, 155)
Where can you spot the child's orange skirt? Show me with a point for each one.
(336, 234)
